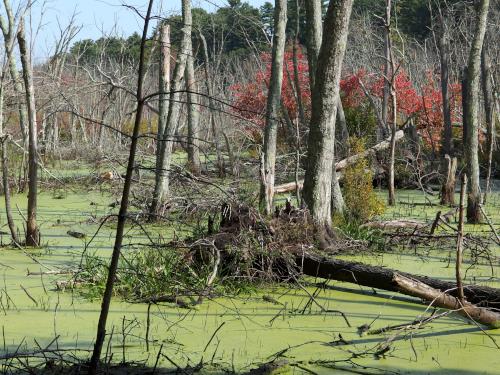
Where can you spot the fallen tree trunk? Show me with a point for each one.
(290, 186)
(383, 278)
(395, 224)
(438, 298)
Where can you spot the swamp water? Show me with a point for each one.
(239, 332)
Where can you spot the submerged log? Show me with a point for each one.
(396, 224)
(290, 186)
(439, 298)
(383, 278)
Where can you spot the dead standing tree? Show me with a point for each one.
(32, 232)
(166, 140)
(325, 96)
(193, 138)
(472, 112)
(122, 215)
(268, 163)
(9, 32)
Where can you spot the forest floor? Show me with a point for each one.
(241, 331)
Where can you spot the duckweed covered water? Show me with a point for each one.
(249, 329)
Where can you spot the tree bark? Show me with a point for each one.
(325, 96)
(382, 278)
(444, 56)
(442, 299)
(273, 108)
(164, 88)
(162, 184)
(6, 190)
(122, 215)
(314, 40)
(392, 69)
(193, 139)
(212, 104)
(8, 32)
(448, 187)
(32, 232)
(472, 104)
(489, 115)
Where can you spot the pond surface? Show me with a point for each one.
(246, 330)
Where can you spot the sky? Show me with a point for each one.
(97, 17)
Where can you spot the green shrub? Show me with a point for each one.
(361, 201)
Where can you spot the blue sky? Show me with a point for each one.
(98, 17)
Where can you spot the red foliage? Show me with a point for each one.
(250, 98)
(425, 107)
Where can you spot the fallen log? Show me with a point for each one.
(383, 278)
(396, 224)
(441, 299)
(290, 186)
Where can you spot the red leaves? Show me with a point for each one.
(250, 98)
(424, 103)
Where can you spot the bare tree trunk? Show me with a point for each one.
(315, 34)
(325, 96)
(448, 187)
(273, 108)
(460, 239)
(215, 130)
(122, 215)
(444, 55)
(472, 104)
(9, 39)
(162, 185)
(32, 232)
(391, 79)
(489, 114)
(164, 88)
(6, 189)
(4, 140)
(193, 139)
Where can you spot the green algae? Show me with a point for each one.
(249, 329)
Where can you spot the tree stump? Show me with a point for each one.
(448, 187)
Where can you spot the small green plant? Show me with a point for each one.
(361, 201)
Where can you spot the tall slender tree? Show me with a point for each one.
(162, 185)
(122, 215)
(193, 138)
(472, 112)
(273, 108)
(314, 39)
(489, 112)
(444, 58)
(164, 88)
(32, 231)
(325, 96)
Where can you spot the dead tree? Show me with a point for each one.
(162, 184)
(448, 187)
(489, 112)
(325, 96)
(32, 232)
(212, 104)
(122, 215)
(164, 88)
(472, 113)
(193, 138)
(273, 108)
(444, 56)
(9, 33)
(390, 78)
